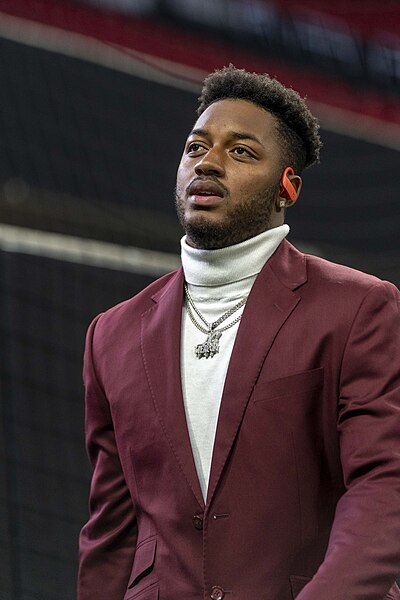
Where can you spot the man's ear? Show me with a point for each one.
(289, 190)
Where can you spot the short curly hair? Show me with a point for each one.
(298, 129)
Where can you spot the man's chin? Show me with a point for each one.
(214, 229)
(209, 234)
(205, 232)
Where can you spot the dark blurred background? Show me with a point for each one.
(96, 99)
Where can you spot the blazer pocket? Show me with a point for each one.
(151, 592)
(297, 583)
(292, 385)
(143, 562)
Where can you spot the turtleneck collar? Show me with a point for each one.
(233, 263)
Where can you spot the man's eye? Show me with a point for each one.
(240, 151)
(194, 147)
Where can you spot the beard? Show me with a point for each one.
(241, 222)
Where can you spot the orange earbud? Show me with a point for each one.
(288, 190)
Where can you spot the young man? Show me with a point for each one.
(243, 412)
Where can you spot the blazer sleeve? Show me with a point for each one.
(363, 555)
(107, 541)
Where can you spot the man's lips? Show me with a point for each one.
(206, 193)
(206, 200)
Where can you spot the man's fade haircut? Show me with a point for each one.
(297, 128)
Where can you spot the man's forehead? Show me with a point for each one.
(236, 115)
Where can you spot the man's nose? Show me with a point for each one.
(210, 163)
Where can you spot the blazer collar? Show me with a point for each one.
(271, 301)
(161, 345)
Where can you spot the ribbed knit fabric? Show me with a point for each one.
(217, 280)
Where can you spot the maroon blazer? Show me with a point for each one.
(304, 491)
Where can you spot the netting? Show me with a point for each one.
(75, 162)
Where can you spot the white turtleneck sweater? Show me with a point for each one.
(217, 280)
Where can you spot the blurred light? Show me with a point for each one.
(142, 7)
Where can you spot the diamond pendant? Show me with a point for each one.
(210, 347)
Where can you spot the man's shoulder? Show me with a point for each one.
(328, 278)
(337, 274)
(337, 280)
(118, 317)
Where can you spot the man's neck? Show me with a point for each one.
(233, 263)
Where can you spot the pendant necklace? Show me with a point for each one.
(210, 347)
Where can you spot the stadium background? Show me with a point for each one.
(96, 98)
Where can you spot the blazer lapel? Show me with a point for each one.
(270, 302)
(161, 343)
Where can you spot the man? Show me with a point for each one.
(243, 413)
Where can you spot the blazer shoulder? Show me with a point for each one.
(116, 319)
(344, 290)
(296, 269)
(341, 276)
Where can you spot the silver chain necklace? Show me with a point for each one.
(210, 347)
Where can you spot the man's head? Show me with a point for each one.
(250, 129)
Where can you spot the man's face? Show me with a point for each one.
(228, 178)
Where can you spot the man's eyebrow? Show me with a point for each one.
(202, 132)
(243, 135)
(237, 135)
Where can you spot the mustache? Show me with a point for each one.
(208, 179)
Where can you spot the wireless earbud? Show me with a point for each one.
(288, 190)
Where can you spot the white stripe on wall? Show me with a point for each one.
(87, 252)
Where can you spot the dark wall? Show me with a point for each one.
(106, 145)
(45, 308)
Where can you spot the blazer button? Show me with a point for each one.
(217, 593)
(198, 521)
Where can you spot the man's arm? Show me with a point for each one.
(363, 555)
(107, 541)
